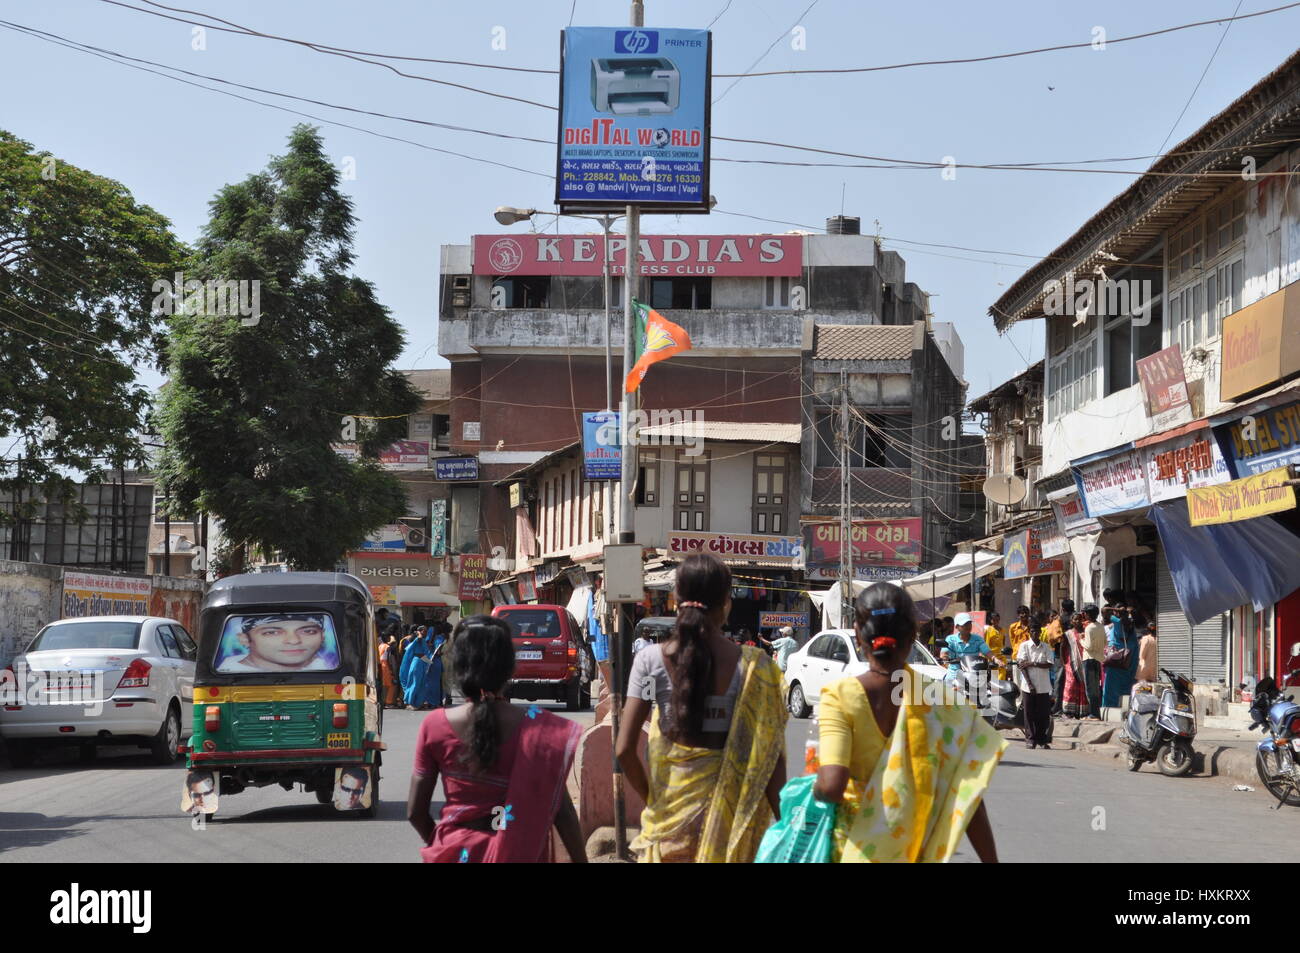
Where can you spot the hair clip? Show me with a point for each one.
(889, 611)
(884, 642)
(693, 605)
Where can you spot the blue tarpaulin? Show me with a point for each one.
(1219, 567)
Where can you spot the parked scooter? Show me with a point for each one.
(1162, 731)
(1278, 716)
(996, 698)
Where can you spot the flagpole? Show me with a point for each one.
(626, 488)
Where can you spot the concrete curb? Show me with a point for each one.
(1213, 760)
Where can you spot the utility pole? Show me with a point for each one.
(627, 505)
(846, 496)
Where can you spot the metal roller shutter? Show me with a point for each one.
(1198, 651)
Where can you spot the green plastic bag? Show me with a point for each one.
(803, 834)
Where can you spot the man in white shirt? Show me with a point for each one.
(1034, 660)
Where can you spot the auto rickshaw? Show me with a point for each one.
(286, 691)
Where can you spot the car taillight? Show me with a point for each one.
(136, 675)
(212, 718)
(340, 715)
(573, 651)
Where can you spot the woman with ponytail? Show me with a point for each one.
(717, 731)
(503, 767)
(907, 760)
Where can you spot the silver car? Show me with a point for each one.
(117, 680)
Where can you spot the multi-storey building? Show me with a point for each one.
(522, 323)
(1172, 336)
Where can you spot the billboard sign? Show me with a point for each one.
(726, 256)
(87, 594)
(1175, 466)
(735, 545)
(1262, 441)
(455, 468)
(602, 454)
(634, 118)
(1113, 485)
(894, 544)
(1242, 499)
(1164, 385)
(473, 576)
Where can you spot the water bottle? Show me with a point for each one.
(812, 747)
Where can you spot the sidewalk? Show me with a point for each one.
(1220, 752)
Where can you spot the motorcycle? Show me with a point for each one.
(996, 698)
(1278, 716)
(1162, 731)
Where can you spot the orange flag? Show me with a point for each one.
(657, 339)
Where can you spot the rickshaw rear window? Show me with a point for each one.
(278, 642)
(535, 623)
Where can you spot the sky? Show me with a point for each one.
(174, 145)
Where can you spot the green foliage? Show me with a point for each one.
(250, 410)
(78, 259)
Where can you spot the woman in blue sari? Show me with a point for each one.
(422, 672)
(1119, 681)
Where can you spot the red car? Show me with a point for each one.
(552, 660)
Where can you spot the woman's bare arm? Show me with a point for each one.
(832, 779)
(635, 713)
(775, 784)
(566, 824)
(417, 805)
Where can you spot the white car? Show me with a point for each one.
(831, 655)
(117, 680)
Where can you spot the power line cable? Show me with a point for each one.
(1192, 95)
(762, 56)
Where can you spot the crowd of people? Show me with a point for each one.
(414, 668)
(715, 762)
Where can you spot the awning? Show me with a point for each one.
(948, 579)
(1217, 568)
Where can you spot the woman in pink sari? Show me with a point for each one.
(503, 767)
(1074, 699)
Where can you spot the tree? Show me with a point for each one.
(78, 259)
(254, 401)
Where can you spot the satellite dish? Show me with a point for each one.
(1005, 489)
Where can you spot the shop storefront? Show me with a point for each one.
(409, 584)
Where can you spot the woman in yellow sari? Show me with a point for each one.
(717, 731)
(906, 759)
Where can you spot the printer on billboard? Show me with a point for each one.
(635, 85)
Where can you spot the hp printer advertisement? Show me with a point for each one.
(634, 118)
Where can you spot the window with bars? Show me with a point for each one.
(1072, 377)
(770, 497)
(691, 493)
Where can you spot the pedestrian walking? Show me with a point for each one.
(716, 756)
(1034, 663)
(1062, 646)
(1121, 659)
(421, 673)
(784, 644)
(893, 804)
(1148, 653)
(503, 767)
(1093, 644)
(388, 670)
(1074, 695)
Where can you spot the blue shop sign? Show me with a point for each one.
(455, 468)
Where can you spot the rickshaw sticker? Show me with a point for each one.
(352, 788)
(200, 793)
(338, 739)
(278, 642)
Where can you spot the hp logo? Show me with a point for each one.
(636, 41)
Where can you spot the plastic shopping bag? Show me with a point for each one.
(803, 834)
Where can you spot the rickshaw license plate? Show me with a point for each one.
(341, 739)
(529, 655)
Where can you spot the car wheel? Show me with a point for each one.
(584, 697)
(162, 749)
(21, 753)
(573, 696)
(798, 705)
